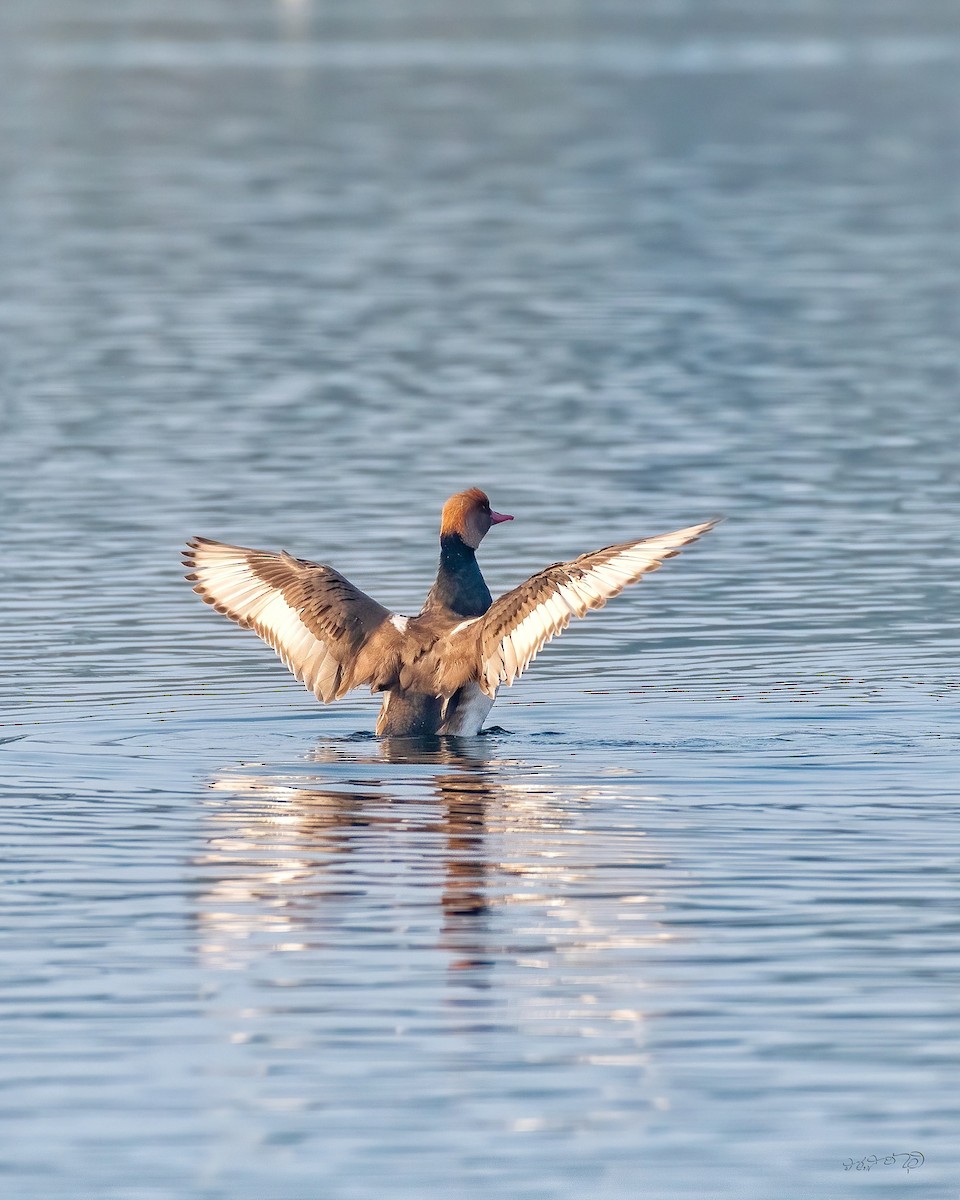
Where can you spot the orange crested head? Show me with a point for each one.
(468, 515)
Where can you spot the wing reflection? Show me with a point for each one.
(286, 853)
(407, 854)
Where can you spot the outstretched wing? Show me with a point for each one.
(520, 622)
(314, 618)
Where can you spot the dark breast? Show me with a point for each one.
(460, 587)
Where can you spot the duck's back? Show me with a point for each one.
(458, 594)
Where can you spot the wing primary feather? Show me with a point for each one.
(314, 618)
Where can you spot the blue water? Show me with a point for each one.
(288, 275)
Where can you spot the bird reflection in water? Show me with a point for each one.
(289, 855)
(464, 794)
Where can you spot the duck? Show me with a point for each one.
(439, 671)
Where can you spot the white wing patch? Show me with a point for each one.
(574, 589)
(226, 580)
(399, 623)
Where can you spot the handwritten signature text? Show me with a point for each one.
(908, 1162)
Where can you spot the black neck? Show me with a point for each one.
(459, 586)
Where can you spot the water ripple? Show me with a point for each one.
(685, 923)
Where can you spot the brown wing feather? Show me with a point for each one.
(314, 618)
(519, 623)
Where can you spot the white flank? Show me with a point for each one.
(470, 714)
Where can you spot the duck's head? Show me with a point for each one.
(468, 515)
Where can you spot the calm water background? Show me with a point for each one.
(288, 275)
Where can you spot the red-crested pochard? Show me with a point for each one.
(440, 670)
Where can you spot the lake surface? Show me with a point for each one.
(288, 275)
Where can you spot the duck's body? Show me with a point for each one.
(438, 671)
